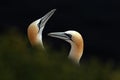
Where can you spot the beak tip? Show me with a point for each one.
(49, 34)
(54, 10)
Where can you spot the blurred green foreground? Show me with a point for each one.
(19, 61)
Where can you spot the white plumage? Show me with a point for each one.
(76, 41)
(35, 29)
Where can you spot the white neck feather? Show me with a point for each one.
(76, 52)
(40, 37)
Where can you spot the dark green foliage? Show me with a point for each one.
(19, 61)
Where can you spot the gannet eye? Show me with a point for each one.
(69, 35)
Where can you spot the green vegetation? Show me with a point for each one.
(19, 61)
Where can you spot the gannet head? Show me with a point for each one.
(76, 41)
(70, 36)
(35, 29)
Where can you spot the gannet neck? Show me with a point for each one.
(76, 50)
(39, 37)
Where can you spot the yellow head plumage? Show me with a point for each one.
(35, 29)
(76, 41)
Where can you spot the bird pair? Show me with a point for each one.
(73, 37)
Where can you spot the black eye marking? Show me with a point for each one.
(39, 25)
(69, 35)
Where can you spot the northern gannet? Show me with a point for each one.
(35, 29)
(76, 41)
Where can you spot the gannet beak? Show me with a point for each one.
(45, 18)
(60, 35)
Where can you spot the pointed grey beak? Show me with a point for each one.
(60, 35)
(45, 18)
